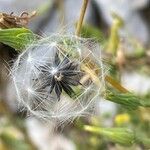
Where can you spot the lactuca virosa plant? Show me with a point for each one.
(59, 77)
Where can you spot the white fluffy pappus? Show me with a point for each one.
(59, 78)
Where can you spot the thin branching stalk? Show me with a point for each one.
(82, 14)
(114, 83)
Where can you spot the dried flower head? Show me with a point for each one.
(59, 77)
(63, 75)
(12, 21)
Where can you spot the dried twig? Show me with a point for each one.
(82, 14)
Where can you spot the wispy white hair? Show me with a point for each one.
(26, 77)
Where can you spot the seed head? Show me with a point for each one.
(59, 77)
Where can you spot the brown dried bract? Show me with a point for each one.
(12, 21)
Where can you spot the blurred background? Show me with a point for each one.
(131, 67)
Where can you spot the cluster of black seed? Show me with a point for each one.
(67, 75)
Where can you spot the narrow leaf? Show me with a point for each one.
(17, 38)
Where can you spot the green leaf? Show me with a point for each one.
(17, 38)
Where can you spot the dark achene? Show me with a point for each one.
(63, 75)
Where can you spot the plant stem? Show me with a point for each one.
(114, 34)
(115, 84)
(82, 14)
(78, 30)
